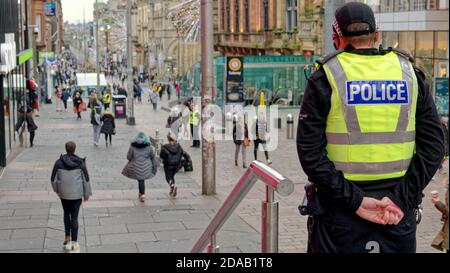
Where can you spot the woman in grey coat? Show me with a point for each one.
(142, 162)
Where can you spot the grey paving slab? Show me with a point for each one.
(176, 235)
(96, 230)
(114, 248)
(125, 220)
(108, 239)
(6, 212)
(182, 217)
(5, 234)
(31, 243)
(28, 233)
(26, 223)
(181, 246)
(155, 227)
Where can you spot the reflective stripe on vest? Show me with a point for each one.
(370, 140)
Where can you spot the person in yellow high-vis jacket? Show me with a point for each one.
(194, 121)
(368, 139)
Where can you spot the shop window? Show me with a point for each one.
(441, 45)
(407, 41)
(424, 44)
(390, 39)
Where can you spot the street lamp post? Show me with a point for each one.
(208, 97)
(97, 48)
(130, 99)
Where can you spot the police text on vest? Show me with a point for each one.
(377, 92)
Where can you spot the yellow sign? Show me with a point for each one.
(235, 64)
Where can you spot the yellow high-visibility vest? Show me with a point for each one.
(193, 118)
(371, 125)
(107, 98)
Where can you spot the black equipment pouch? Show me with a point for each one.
(311, 204)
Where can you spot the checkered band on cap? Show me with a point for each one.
(336, 27)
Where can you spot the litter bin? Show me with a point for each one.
(120, 106)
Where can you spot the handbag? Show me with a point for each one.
(246, 142)
(82, 107)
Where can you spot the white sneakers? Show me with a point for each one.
(67, 246)
(71, 247)
(75, 247)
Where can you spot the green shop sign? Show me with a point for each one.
(24, 56)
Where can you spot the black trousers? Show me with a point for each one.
(32, 134)
(71, 209)
(255, 150)
(342, 231)
(196, 142)
(170, 172)
(141, 186)
(108, 136)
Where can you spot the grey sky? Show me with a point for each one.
(73, 10)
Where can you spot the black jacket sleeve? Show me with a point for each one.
(312, 142)
(429, 151)
(55, 169)
(85, 171)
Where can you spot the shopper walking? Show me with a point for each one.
(142, 162)
(28, 119)
(78, 105)
(154, 99)
(171, 155)
(70, 180)
(96, 110)
(109, 126)
(240, 139)
(260, 130)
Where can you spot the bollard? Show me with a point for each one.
(277, 122)
(289, 127)
(228, 124)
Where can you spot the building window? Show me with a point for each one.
(418, 5)
(401, 5)
(291, 15)
(228, 16)
(246, 16)
(390, 39)
(236, 15)
(387, 5)
(266, 14)
(223, 14)
(38, 27)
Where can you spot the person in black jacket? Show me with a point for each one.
(109, 126)
(171, 155)
(339, 209)
(31, 125)
(70, 180)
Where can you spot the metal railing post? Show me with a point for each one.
(269, 222)
(213, 247)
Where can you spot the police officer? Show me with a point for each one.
(368, 139)
(194, 122)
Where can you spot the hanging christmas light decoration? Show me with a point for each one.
(186, 19)
(118, 34)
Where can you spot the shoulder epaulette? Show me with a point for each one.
(404, 54)
(324, 59)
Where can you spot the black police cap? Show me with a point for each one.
(351, 13)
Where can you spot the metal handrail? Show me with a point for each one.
(275, 182)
